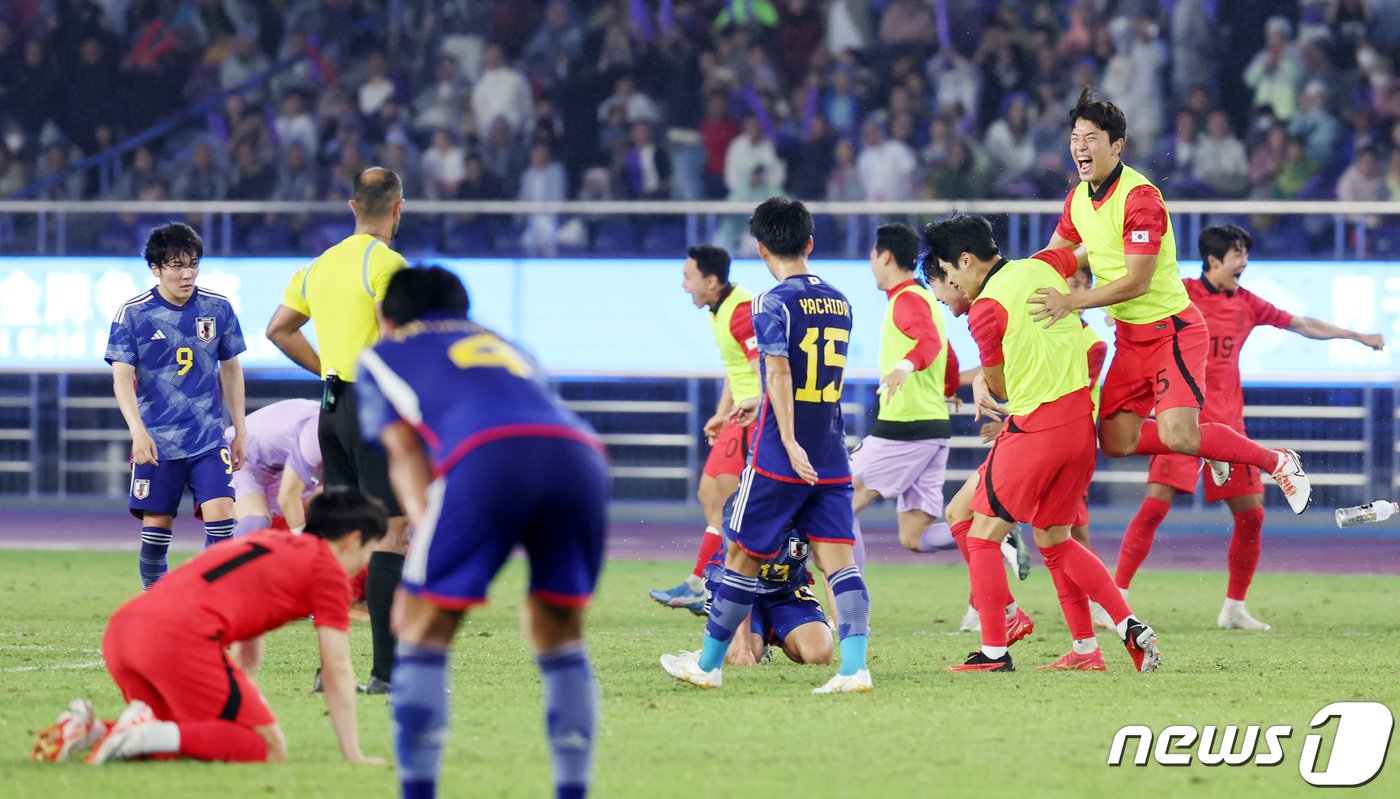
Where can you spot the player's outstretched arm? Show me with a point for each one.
(723, 408)
(231, 379)
(780, 397)
(143, 447)
(1308, 327)
(284, 330)
(338, 678)
(410, 473)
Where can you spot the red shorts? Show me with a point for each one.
(1040, 478)
(730, 452)
(180, 674)
(1157, 369)
(1182, 472)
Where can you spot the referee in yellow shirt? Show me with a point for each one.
(341, 291)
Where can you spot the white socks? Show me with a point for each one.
(1084, 646)
(993, 652)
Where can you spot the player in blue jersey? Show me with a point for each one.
(513, 467)
(798, 469)
(174, 355)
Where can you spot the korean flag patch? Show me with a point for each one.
(140, 488)
(1141, 237)
(204, 325)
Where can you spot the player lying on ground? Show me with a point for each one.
(706, 280)
(513, 466)
(1039, 468)
(168, 649)
(1159, 366)
(1231, 313)
(174, 356)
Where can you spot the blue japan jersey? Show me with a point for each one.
(176, 350)
(807, 321)
(782, 574)
(459, 385)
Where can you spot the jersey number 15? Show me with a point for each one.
(831, 392)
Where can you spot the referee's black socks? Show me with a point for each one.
(385, 570)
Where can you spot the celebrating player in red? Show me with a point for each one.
(1231, 313)
(168, 649)
(1162, 341)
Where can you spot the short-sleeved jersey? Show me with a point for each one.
(1230, 317)
(808, 321)
(176, 350)
(783, 573)
(338, 291)
(732, 320)
(1127, 216)
(250, 586)
(284, 434)
(460, 385)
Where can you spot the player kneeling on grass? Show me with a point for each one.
(168, 649)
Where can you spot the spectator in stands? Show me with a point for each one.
(444, 166)
(1133, 77)
(141, 174)
(1221, 163)
(542, 181)
(1174, 160)
(438, 104)
(843, 103)
(502, 154)
(1392, 177)
(294, 124)
(91, 89)
(1266, 160)
(810, 160)
(800, 32)
(886, 166)
(636, 104)
(478, 183)
(717, 131)
(615, 133)
(203, 177)
(243, 63)
(843, 182)
(940, 141)
(296, 179)
(1194, 45)
(966, 175)
(908, 23)
(1363, 181)
(558, 37)
(1315, 125)
(34, 92)
(1361, 134)
(252, 179)
(377, 89)
(1296, 172)
(646, 167)
(12, 176)
(847, 26)
(747, 152)
(501, 92)
(1012, 147)
(1274, 73)
(55, 162)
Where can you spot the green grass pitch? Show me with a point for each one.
(922, 732)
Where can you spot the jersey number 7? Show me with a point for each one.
(831, 392)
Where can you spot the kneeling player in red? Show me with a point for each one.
(168, 649)
(1041, 463)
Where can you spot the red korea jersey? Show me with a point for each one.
(1230, 316)
(249, 586)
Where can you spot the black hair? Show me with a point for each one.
(712, 261)
(172, 240)
(949, 238)
(1103, 114)
(1219, 240)
(339, 511)
(782, 225)
(900, 241)
(414, 293)
(375, 191)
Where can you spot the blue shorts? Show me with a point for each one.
(548, 495)
(764, 506)
(158, 488)
(775, 616)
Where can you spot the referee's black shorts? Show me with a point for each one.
(346, 458)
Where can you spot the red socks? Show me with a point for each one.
(221, 741)
(1073, 601)
(1148, 441)
(989, 588)
(1245, 546)
(960, 538)
(1219, 442)
(1137, 539)
(709, 544)
(1088, 572)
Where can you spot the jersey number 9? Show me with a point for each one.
(831, 392)
(484, 349)
(185, 357)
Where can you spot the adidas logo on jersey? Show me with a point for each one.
(159, 336)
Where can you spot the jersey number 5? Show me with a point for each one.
(484, 349)
(831, 392)
(185, 357)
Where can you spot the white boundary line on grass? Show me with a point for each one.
(91, 664)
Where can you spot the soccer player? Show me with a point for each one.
(1231, 313)
(798, 469)
(906, 455)
(174, 355)
(449, 398)
(1162, 340)
(706, 280)
(1042, 461)
(283, 467)
(167, 649)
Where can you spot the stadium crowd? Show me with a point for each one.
(694, 99)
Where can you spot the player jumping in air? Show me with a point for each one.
(168, 649)
(1231, 314)
(449, 398)
(798, 470)
(1162, 340)
(706, 280)
(174, 355)
(1042, 461)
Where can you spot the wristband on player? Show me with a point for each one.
(905, 365)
